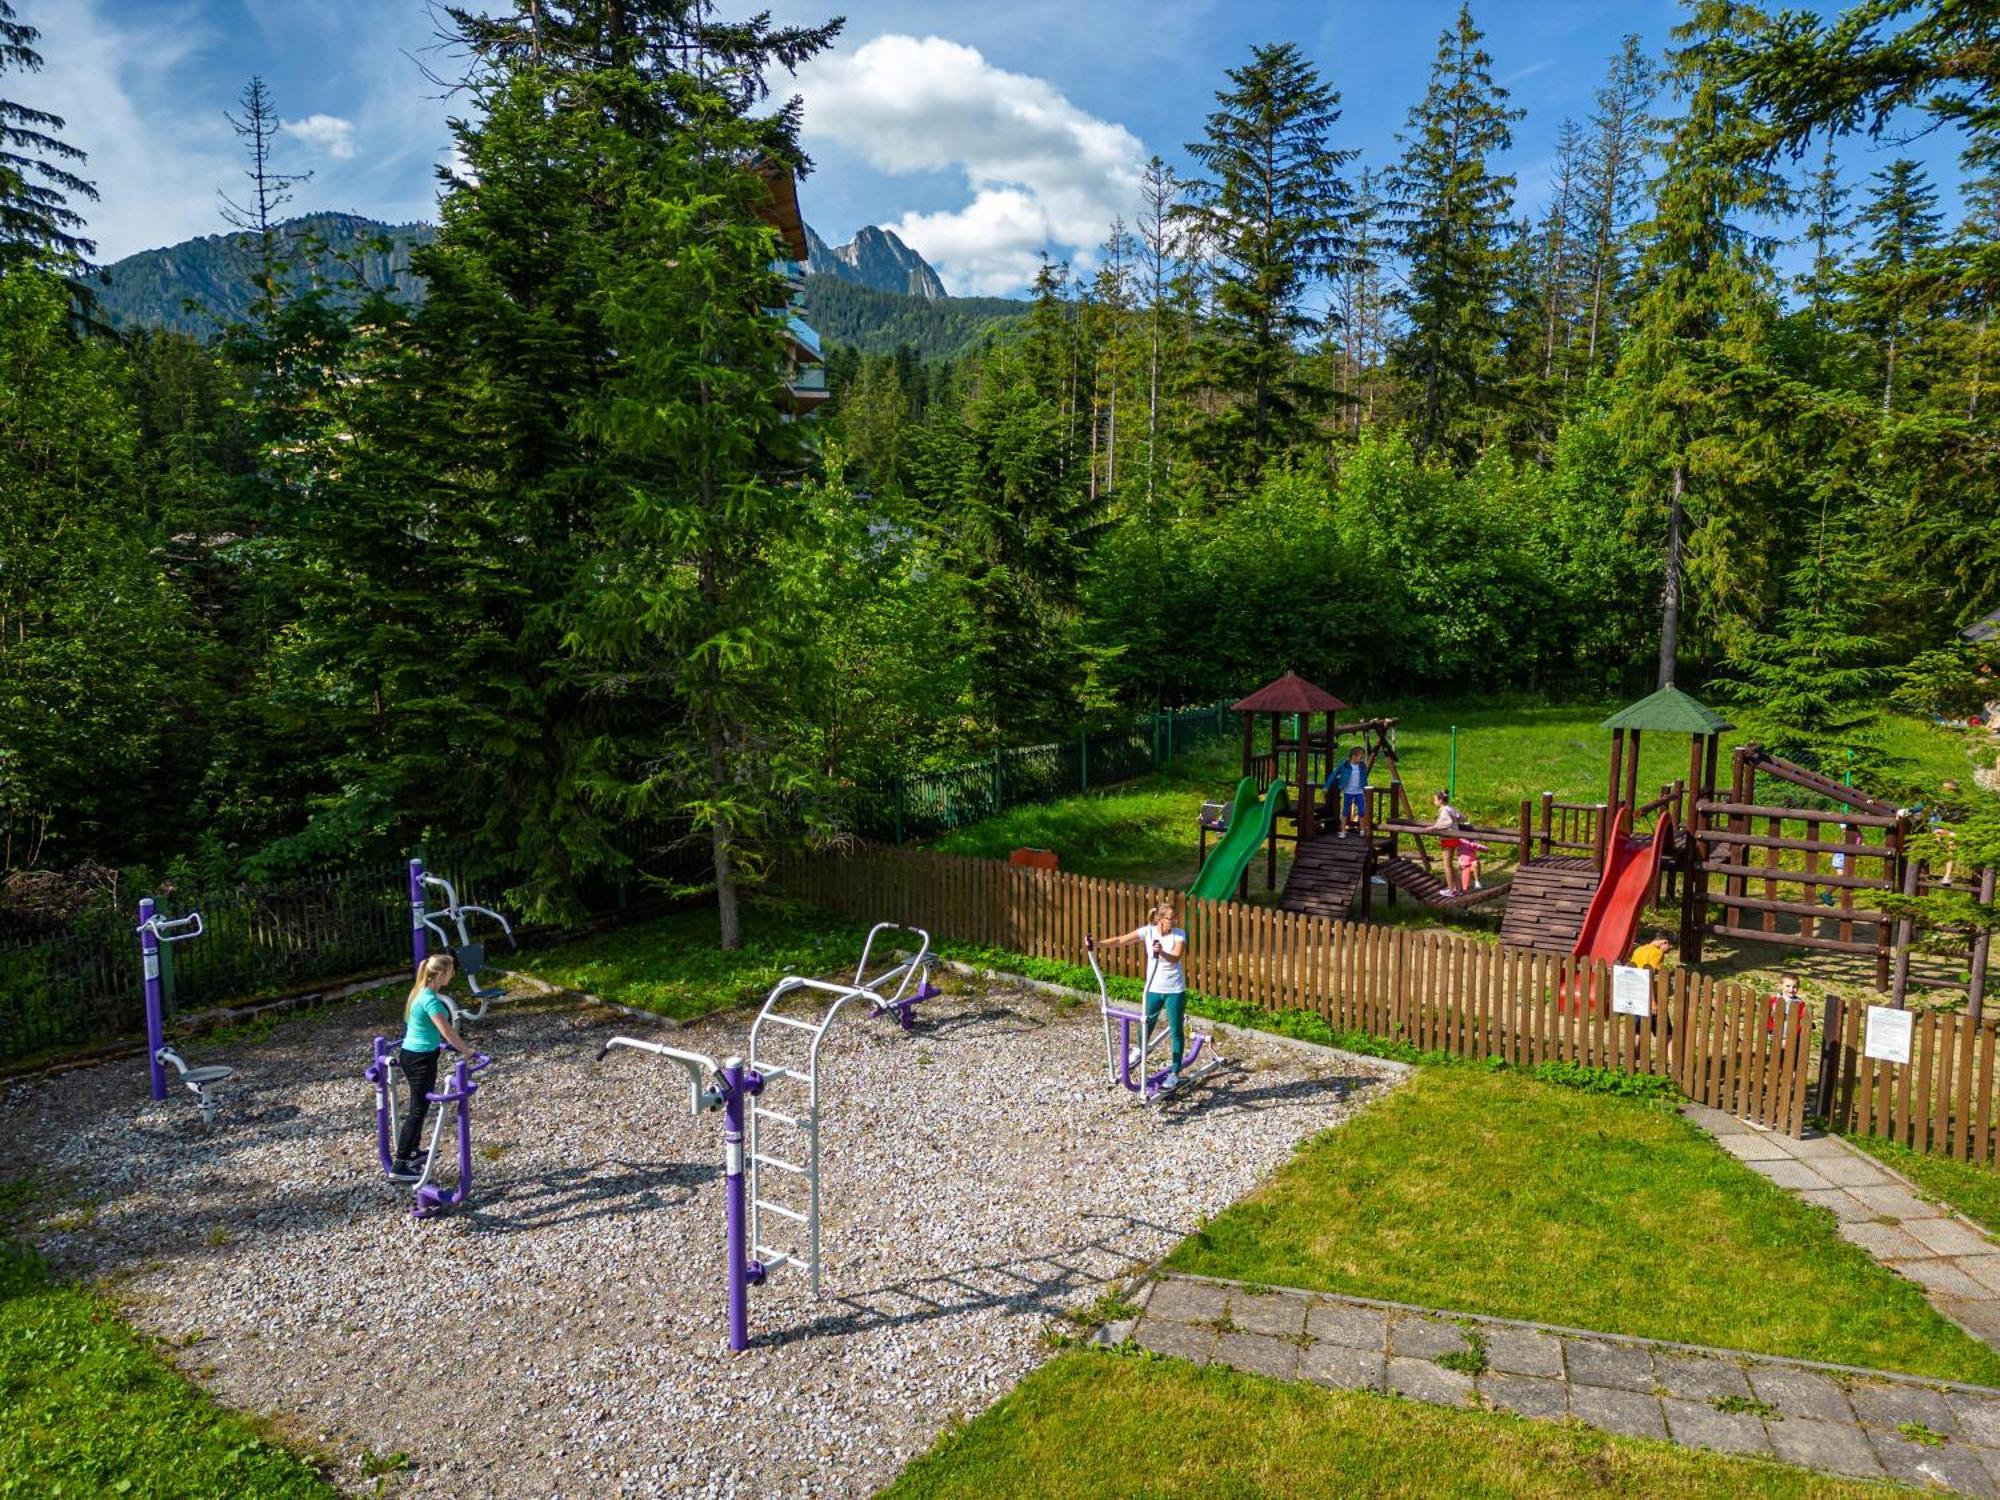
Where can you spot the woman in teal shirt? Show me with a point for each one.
(426, 1028)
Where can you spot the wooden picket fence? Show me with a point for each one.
(1438, 991)
(1941, 1102)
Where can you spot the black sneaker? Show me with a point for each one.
(406, 1171)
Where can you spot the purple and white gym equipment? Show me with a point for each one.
(155, 930)
(469, 953)
(458, 1090)
(1127, 1061)
(762, 1208)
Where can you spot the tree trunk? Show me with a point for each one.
(1670, 593)
(722, 841)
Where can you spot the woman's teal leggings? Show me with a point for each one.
(1175, 1002)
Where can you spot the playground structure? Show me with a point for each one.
(468, 953)
(156, 931)
(755, 1212)
(1586, 872)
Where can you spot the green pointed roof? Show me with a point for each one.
(1672, 710)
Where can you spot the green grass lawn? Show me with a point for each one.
(671, 965)
(1491, 1192)
(88, 1408)
(1096, 1424)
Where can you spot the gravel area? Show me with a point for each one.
(562, 1335)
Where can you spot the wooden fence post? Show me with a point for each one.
(1982, 942)
(1905, 934)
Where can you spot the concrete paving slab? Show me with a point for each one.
(1979, 1314)
(1801, 1394)
(1983, 1268)
(1834, 1447)
(1896, 1201)
(1755, 1147)
(1426, 1338)
(1715, 1121)
(1339, 1365)
(1942, 1279)
(1258, 1353)
(1523, 1351)
(1820, 1147)
(1188, 1301)
(1526, 1395)
(1631, 1413)
(1885, 1241)
(1621, 1366)
(1281, 1314)
(1699, 1377)
(1787, 1173)
(1421, 1380)
(1696, 1424)
(1854, 1172)
(1892, 1405)
(1931, 1466)
(1178, 1340)
(1839, 1202)
(1343, 1323)
(1978, 1417)
(1948, 1236)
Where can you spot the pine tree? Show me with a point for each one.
(1453, 223)
(1106, 334)
(1614, 178)
(1826, 231)
(1159, 251)
(1694, 371)
(1361, 302)
(37, 224)
(270, 189)
(1892, 286)
(1269, 215)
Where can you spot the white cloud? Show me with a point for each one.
(328, 133)
(1041, 172)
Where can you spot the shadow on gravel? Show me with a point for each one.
(576, 1195)
(1223, 1092)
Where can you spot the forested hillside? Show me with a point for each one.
(350, 255)
(879, 322)
(539, 569)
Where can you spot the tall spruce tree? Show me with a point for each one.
(257, 128)
(1159, 252)
(1893, 284)
(1269, 213)
(38, 226)
(1614, 181)
(1452, 220)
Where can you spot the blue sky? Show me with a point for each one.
(980, 131)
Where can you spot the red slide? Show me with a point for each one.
(1631, 868)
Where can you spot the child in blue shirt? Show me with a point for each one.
(1350, 777)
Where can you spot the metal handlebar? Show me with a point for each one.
(700, 1068)
(168, 929)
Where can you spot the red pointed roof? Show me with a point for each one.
(1290, 694)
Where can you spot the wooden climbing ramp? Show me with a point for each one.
(1326, 877)
(1550, 897)
(1413, 880)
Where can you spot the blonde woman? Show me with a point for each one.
(426, 1028)
(1166, 979)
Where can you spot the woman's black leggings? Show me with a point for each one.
(420, 1070)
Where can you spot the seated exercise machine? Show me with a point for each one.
(470, 954)
(154, 931)
(763, 1189)
(459, 1088)
(1127, 1061)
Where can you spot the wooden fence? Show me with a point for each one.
(1940, 1102)
(1433, 990)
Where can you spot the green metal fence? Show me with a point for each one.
(927, 803)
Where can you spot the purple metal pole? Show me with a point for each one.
(733, 1075)
(383, 1076)
(156, 1035)
(417, 944)
(432, 1199)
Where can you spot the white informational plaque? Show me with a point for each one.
(1889, 1034)
(1631, 990)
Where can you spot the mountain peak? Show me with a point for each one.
(875, 258)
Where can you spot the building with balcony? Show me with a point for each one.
(805, 374)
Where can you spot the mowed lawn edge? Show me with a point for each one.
(1488, 1191)
(1093, 1423)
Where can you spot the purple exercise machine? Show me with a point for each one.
(1124, 1056)
(458, 1090)
(154, 931)
(756, 1178)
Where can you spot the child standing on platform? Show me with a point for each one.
(1350, 779)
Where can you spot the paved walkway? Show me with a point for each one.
(1863, 1423)
(1881, 1211)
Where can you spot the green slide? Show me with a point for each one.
(1249, 825)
